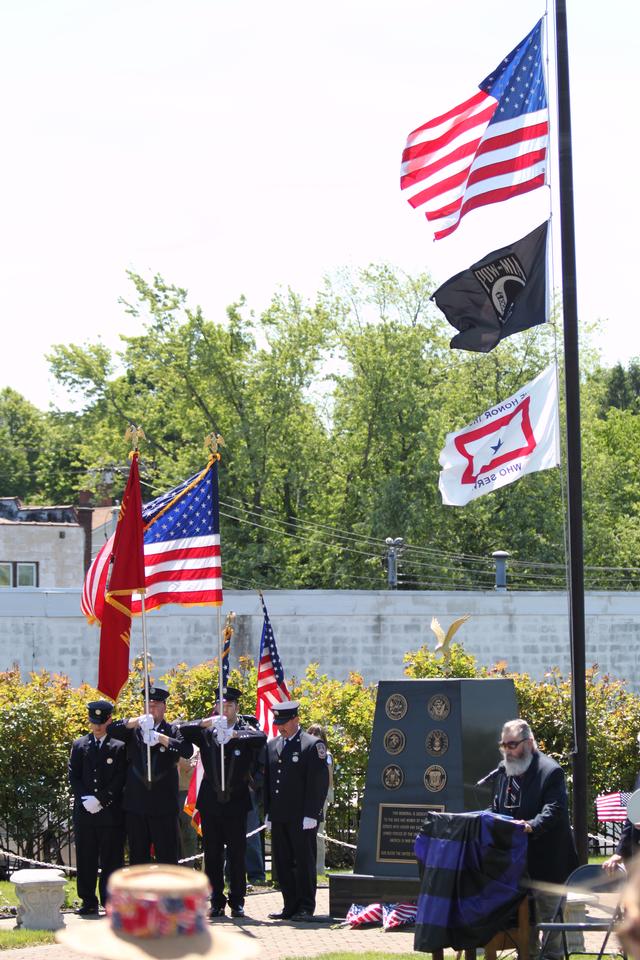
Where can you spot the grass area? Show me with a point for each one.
(8, 894)
(364, 955)
(12, 939)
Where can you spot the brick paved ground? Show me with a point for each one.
(277, 939)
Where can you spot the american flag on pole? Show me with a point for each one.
(489, 148)
(612, 807)
(181, 550)
(271, 685)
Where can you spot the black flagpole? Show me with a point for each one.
(574, 456)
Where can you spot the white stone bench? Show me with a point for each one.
(40, 896)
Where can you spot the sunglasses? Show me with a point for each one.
(511, 744)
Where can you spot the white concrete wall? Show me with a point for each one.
(58, 548)
(364, 631)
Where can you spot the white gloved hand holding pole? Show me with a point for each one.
(309, 823)
(150, 736)
(146, 722)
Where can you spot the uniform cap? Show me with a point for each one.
(284, 711)
(99, 710)
(231, 694)
(157, 693)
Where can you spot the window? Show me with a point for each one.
(18, 574)
(26, 575)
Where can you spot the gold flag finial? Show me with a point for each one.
(134, 434)
(211, 443)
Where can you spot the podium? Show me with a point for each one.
(471, 865)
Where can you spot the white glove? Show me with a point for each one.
(146, 722)
(150, 736)
(267, 823)
(309, 823)
(221, 731)
(91, 804)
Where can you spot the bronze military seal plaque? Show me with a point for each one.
(394, 742)
(396, 706)
(437, 743)
(435, 778)
(392, 777)
(439, 707)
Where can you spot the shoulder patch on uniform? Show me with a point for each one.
(322, 750)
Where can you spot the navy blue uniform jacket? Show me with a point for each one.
(543, 802)
(100, 773)
(160, 798)
(241, 757)
(296, 778)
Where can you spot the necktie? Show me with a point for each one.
(513, 793)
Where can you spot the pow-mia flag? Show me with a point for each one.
(501, 294)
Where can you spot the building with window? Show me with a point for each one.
(47, 547)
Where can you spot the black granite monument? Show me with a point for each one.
(432, 741)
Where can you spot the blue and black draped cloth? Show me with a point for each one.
(471, 865)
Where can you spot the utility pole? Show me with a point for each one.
(395, 546)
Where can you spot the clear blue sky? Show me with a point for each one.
(236, 146)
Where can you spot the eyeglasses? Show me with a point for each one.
(511, 744)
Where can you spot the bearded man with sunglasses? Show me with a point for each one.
(531, 788)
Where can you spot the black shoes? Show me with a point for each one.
(237, 911)
(216, 912)
(303, 916)
(280, 916)
(85, 911)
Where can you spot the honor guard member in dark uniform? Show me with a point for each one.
(97, 768)
(224, 812)
(296, 784)
(151, 806)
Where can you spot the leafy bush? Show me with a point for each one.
(41, 717)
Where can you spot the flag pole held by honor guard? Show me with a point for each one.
(135, 434)
(211, 443)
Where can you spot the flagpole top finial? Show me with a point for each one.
(211, 443)
(134, 435)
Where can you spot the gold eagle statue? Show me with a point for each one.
(444, 639)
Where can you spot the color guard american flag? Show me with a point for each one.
(271, 684)
(489, 148)
(181, 550)
(612, 807)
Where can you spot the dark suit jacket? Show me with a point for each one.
(543, 802)
(241, 757)
(630, 837)
(629, 841)
(160, 797)
(99, 773)
(296, 778)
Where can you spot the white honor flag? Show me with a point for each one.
(518, 436)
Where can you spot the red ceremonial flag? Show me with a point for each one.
(485, 150)
(127, 578)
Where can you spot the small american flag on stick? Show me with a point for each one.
(612, 807)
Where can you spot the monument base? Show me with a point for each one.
(363, 888)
